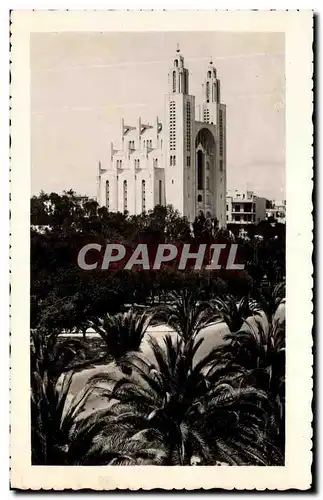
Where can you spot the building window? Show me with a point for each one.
(207, 91)
(107, 194)
(208, 183)
(172, 126)
(143, 195)
(221, 132)
(174, 81)
(176, 63)
(209, 74)
(237, 208)
(188, 126)
(172, 160)
(227, 208)
(221, 165)
(188, 161)
(200, 170)
(125, 196)
(160, 186)
(199, 198)
(237, 218)
(155, 162)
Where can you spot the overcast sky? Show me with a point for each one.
(82, 84)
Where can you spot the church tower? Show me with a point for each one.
(214, 113)
(179, 140)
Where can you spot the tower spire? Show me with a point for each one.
(177, 48)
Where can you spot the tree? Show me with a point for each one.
(173, 406)
(261, 353)
(186, 314)
(269, 297)
(232, 312)
(123, 332)
(49, 360)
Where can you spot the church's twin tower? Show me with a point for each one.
(180, 161)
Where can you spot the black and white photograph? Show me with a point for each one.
(158, 246)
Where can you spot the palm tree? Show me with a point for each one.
(261, 353)
(52, 418)
(123, 332)
(185, 410)
(269, 298)
(186, 314)
(234, 313)
(53, 356)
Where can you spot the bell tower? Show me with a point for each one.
(179, 139)
(211, 96)
(214, 113)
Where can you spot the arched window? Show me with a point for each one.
(209, 74)
(143, 195)
(125, 196)
(107, 194)
(174, 81)
(199, 198)
(176, 63)
(207, 91)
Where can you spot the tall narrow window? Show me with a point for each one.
(188, 161)
(199, 170)
(207, 91)
(172, 126)
(143, 195)
(174, 81)
(221, 132)
(209, 74)
(107, 194)
(188, 126)
(160, 191)
(176, 63)
(125, 196)
(214, 93)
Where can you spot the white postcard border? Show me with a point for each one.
(296, 473)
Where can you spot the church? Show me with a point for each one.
(178, 160)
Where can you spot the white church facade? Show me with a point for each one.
(179, 160)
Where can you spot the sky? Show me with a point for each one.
(82, 84)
